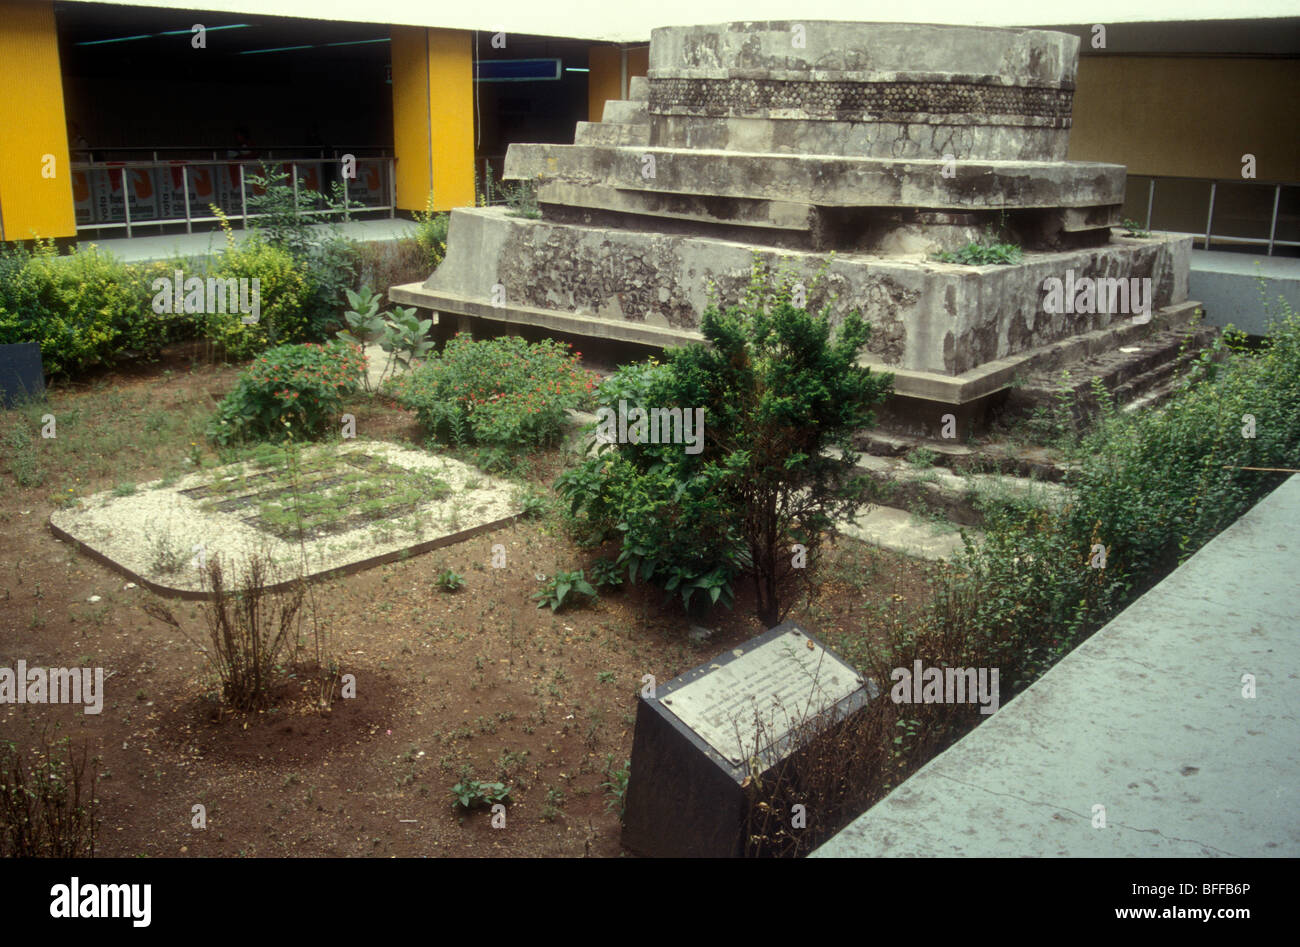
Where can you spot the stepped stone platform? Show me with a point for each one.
(874, 146)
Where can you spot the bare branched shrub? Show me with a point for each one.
(834, 769)
(252, 633)
(841, 766)
(47, 801)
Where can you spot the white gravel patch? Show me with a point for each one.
(159, 535)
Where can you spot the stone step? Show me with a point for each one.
(959, 498)
(623, 112)
(611, 133)
(1126, 372)
(1153, 397)
(1017, 460)
(638, 89)
(1059, 355)
(1164, 374)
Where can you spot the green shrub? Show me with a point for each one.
(1149, 489)
(615, 784)
(782, 394)
(450, 581)
(292, 390)
(979, 254)
(504, 392)
(471, 794)
(328, 261)
(555, 590)
(606, 573)
(284, 294)
(85, 309)
(431, 233)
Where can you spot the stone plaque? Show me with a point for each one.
(703, 733)
(764, 688)
(21, 372)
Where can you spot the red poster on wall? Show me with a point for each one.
(83, 197)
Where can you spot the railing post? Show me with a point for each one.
(293, 173)
(1151, 199)
(185, 187)
(126, 200)
(1272, 228)
(392, 190)
(243, 201)
(1209, 218)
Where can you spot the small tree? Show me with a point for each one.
(782, 393)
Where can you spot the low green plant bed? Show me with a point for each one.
(505, 393)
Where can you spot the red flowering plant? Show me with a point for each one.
(503, 392)
(303, 385)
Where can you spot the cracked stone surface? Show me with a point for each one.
(1147, 718)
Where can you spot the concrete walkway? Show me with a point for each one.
(1228, 286)
(1147, 718)
(144, 248)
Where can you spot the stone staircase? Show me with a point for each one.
(625, 122)
(1140, 372)
(926, 493)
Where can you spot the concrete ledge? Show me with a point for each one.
(826, 180)
(414, 294)
(1146, 718)
(1229, 283)
(960, 389)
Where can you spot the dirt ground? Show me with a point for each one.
(478, 682)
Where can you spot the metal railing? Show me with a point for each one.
(1208, 235)
(171, 186)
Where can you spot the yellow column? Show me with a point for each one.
(433, 117)
(604, 80)
(35, 174)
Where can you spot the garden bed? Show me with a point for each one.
(321, 510)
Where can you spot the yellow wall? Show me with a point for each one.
(32, 125)
(433, 117)
(604, 81)
(638, 61)
(1188, 117)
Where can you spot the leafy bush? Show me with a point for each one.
(533, 504)
(556, 589)
(503, 392)
(431, 233)
(284, 294)
(84, 309)
(615, 784)
(296, 389)
(365, 324)
(399, 332)
(979, 254)
(471, 794)
(782, 394)
(328, 261)
(1149, 488)
(450, 580)
(606, 574)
